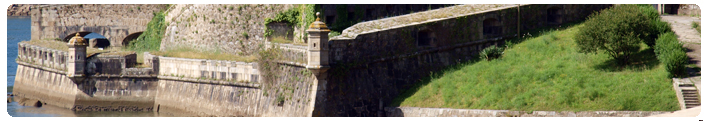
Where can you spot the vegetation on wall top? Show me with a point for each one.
(151, 38)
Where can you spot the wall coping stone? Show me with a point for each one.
(207, 81)
(41, 67)
(351, 32)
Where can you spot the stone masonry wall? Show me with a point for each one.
(204, 99)
(46, 85)
(689, 9)
(104, 93)
(218, 27)
(113, 21)
(290, 94)
(376, 65)
(183, 88)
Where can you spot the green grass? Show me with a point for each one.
(547, 73)
(697, 27)
(60, 45)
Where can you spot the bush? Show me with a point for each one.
(151, 38)
(616, 31)
(670, 52)
(491, 52)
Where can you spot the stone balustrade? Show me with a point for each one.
(42, 56)
(204, 69)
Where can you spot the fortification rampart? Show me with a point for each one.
(198, 87)
(110, 87)
(371, 65)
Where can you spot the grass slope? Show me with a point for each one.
(548, 73)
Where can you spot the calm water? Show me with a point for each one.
(18, 29)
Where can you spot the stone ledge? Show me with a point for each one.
(409, 19)
(207, 81)
(40, 67)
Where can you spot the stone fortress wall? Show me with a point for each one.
(117, 22)
(371, 63)
(375, 61)
(198, 87)
(218, 27)
(42, 77)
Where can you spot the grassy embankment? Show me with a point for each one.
(547, 73)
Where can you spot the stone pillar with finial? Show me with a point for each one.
(76, 61)
(318, 63)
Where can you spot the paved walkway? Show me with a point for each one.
(682, 26)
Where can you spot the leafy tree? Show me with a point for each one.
(617, 31)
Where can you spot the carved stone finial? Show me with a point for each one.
(77, 40)
(317, 24)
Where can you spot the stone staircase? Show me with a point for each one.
(691, 97)
(687, 93)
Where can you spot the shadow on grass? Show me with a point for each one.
(525, 35)
(396, 102)
(640, 61)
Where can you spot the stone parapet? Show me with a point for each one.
(207, 69)
(41, 56)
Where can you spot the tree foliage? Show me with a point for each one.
(617, 31)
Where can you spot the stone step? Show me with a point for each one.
(686, 85)
(689, 91)
(692, 105)
(691, 98)
(692, 101)
(690, 95)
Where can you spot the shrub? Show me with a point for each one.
(151, 38)
(670, 52)
(491, 52)
(659, 25)
(616, 31)
(333, 34)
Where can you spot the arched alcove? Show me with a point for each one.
(130, 37)
(491, 27)
(425, 37)
(554, 16)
